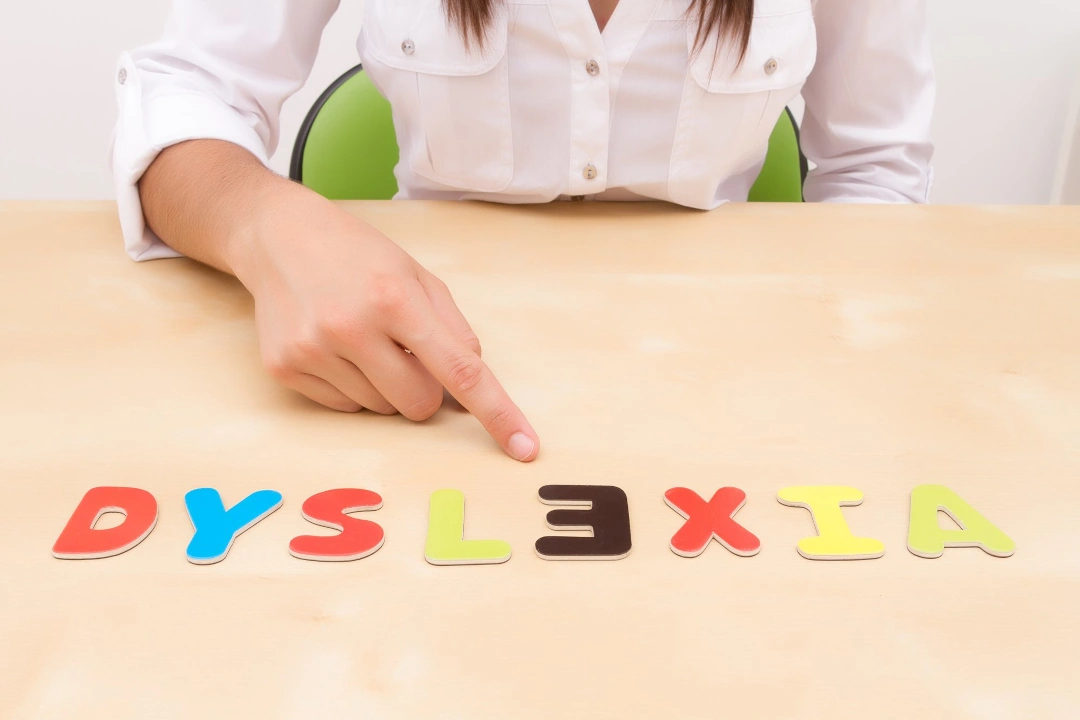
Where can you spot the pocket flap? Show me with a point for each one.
(781, 53)
(416, 35)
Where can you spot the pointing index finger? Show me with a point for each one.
(468, 378)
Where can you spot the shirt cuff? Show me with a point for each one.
(146, 126)
(871, 187)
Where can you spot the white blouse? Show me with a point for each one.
(552, 108)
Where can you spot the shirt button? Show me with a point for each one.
(407, 47)
(592, 67)
(589, 172)
(121, 77)
(771, 65)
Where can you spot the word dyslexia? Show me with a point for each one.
(602, 509)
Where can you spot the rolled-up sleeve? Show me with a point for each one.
(221, 71)
(869, 103)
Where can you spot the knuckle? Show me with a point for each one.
(472, 341)
(500, 418)
(465, 373)
(303, 351)
(277, 367)
(338, 324)
(388, 296)
(438, 284)
(423, 407)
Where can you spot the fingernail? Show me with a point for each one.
(521, 446)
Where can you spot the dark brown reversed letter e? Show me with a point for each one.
(602, 509)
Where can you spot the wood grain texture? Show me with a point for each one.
(651, 347)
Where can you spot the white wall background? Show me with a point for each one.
(1006, 72)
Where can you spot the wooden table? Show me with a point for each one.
(756, 346)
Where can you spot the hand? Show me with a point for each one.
(350, 320)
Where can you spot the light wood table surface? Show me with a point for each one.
(651, 347)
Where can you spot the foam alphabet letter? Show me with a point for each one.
(708, 520)
(217, 528)
(603, 510)
(357, 539)
(80, 541)
(446, 528)
(834, 540)
(927, 539)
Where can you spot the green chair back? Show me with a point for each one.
(346, 148)
(784, 172)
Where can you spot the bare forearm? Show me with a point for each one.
(202, 198)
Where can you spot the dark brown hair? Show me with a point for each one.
(730, 19)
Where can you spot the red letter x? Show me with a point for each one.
(708, 520)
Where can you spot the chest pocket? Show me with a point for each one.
(451, 103)
(729, 107)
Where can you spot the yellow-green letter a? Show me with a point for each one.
(927, 539)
